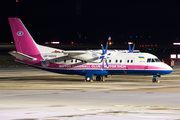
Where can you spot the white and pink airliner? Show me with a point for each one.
(83, 62)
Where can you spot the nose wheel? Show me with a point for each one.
(155, 79)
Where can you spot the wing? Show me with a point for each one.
(89, 56)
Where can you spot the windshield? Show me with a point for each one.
(153, 60)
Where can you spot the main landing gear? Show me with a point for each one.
(155, 78)
(100, 78)
(89, 78)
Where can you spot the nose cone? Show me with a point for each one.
(168, 69)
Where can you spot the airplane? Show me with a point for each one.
(89, 63)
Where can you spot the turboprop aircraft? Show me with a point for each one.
(84, 62)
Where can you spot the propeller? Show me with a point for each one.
(131, 51)
(104, 56)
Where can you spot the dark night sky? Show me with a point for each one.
(75, 20)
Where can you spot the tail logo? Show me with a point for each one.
(20, 33)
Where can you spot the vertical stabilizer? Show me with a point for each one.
(23, 40)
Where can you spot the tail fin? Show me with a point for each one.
(23, 40)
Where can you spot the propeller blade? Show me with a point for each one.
(129, 48)
(106, 48)
(102, 49)
(102, 64)
(101, 57)
(133, 48)
(107, 64)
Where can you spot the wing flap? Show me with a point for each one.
(21, 56)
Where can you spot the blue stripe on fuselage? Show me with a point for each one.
(108, 72)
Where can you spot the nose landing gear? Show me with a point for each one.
(155, 79)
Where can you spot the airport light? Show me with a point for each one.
(178, 56)
(176, 43)
(55, 42)
(110, 43)
(130, 42)
(72, 43)
(109, 38)
(173, 56)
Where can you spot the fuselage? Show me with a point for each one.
(119, 63)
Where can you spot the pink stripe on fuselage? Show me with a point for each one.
(85, 66)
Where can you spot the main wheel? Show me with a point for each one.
(98, 78)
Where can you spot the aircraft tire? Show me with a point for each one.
(155, 79)
(98, 78)
(88, 79)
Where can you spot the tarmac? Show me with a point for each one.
(31, 94)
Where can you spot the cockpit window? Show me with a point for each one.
(153, 60)
(157, 60)
(149, 60)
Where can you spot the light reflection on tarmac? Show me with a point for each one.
(31, 94)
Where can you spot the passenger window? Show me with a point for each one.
(71, 61)
(120, 61)
(76, 60)
(64, 61)
(55, 60)
(127, 61)
(116, 61)
(109, 61)
(131, 61)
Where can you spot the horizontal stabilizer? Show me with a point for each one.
(21, 56)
